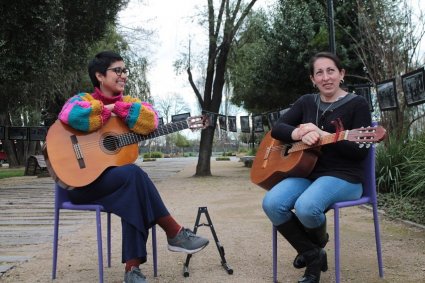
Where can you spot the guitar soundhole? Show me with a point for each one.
(110, 143)
(285, 150)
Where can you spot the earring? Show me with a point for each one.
(342, 81)
(314, 85)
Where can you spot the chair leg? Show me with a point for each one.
(99, 245)
(154, 252)
(274, 252)
(55, 242)
(108, 237)
(378, 240)
(337, 245)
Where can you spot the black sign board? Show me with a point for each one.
(17, 133)
(38, 133)
(180, 117)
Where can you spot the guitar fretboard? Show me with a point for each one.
(298, 146)
(132, 138)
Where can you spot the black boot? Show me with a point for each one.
(319, 237)
(313, 256)
(316, 261)
(293, 232)
(299, 261)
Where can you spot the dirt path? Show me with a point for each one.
(234, 205)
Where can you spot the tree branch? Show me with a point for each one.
(243, 15)
(195, 89)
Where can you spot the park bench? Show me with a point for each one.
(36, 165)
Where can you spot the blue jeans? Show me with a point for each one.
(310, 199)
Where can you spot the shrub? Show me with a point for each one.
(389, 158)
(252, 152)
(400, 166)
(222, 158)
(154, 154)
(413, 181)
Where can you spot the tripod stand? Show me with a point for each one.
(217, 242)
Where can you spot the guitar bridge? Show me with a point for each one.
(78, 152)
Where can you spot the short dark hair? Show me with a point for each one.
(100, 63)
(328, 55)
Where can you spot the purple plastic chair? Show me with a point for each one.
(369, 197)
(62, 202)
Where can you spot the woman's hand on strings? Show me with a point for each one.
(308, 133)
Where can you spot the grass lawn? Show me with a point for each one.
(12, 172)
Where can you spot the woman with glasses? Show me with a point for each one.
(127, 190)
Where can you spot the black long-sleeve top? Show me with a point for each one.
(342, 159)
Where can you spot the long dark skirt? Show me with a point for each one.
(128, 192)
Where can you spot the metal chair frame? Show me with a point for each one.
(369, 197)
(62, 202)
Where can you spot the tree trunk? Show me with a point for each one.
(215, 72)
(203, 167)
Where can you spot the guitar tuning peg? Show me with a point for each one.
(368, 145)
(361, 145)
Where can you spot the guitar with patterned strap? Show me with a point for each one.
(275, 161)
(75, 159)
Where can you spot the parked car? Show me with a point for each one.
(3, 157)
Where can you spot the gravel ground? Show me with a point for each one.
(234, 205)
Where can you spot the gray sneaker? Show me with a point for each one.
(187, 242)
(134, 276)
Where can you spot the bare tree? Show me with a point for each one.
(222, 30)
(171, 104)
(389, 47)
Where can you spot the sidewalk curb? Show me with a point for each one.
(407, 222)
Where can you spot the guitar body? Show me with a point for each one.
(273, 163)
(97, 152)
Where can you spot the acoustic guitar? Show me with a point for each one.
(275, 161)
(75, 159)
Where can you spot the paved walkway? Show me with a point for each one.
(26, 211)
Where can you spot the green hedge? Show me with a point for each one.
(155, 154)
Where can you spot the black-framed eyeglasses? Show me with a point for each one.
(119, 71)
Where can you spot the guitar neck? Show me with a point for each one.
(132, 138)
(327, 139)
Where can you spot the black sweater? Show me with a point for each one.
(342, 159)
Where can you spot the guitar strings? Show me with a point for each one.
(131, 136)
(364, 140)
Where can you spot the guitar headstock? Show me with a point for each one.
(368, 135)
(197, 122)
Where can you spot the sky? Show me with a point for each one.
(174, 26)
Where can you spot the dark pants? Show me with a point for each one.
(128, 192)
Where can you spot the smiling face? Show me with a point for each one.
(327, 77)
(112, 84)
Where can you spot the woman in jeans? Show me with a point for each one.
(297, 206)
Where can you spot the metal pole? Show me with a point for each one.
(331, 27)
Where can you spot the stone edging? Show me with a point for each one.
(407, 222)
